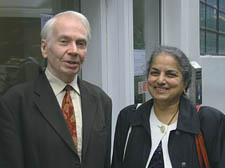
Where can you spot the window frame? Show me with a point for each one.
(206, 28)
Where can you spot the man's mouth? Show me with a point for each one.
(71, 62)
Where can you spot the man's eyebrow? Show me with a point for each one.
(68, 37)
(81, 39)
(63, 37)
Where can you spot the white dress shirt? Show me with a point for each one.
(58, 89)
(157, 136)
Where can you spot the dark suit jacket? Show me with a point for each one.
(34, 134)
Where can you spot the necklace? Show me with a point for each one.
(163, 128)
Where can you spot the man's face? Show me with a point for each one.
(67, 48)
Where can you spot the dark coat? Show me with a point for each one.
(34, 134)
(181, 145)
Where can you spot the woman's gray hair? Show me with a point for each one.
(182, 59)
(46, 31)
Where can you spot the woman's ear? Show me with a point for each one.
(185, 88)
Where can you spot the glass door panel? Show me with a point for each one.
(146, 20)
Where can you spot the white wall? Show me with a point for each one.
(93, 67)
(171, 22)
(180, 28)
(109, 62)
(214, 81)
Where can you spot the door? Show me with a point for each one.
(147, 36)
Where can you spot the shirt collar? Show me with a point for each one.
(58, 85)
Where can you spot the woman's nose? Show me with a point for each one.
(161, 79)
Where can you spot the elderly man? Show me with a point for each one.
(57, 120)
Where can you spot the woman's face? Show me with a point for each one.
(165, 80)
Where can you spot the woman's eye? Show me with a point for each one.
(154, 73)
(172, 75)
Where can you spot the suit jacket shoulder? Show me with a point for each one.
(93, 90)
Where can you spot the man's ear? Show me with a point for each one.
(44, 48)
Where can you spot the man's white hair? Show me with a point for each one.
(46, 31)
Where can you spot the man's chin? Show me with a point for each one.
(71, 70)
(72, 73)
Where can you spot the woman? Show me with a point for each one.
(162, 130)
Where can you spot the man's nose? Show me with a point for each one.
(73, 48)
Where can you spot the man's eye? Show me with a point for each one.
(81, 44)
(63, 42)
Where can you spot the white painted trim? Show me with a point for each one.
(104, 46)
(120, 50)
(110, 61)
(162, 22)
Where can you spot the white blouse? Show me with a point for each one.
(157, 136)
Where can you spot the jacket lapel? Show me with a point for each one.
(141, 116)
(89, 108)
(188, 119)
(50, 109)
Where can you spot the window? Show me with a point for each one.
(212, 27)
(20, 37)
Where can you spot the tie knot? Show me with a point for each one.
(68, 88)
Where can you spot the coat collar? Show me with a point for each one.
(89, 109)
(188, 119)
(48, 106)
(140, 116)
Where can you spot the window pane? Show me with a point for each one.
(212, 2)
(138, 24)
(222, 22)
(20, 41)
(211, 18)
(222, 5)
(221, 44)
(202, 41)
(202, 15)
(146, 29)
(211, 43)
(139, 43)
